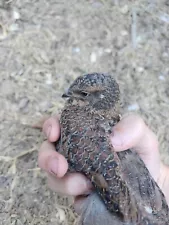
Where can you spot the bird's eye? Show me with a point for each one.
(84, 94)
(81, 94)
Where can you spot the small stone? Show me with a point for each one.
(140, 69)
(14, 27)
(140, 40)
(107, 50)
(164, 18)
(3, 33)
(124, 33)
(49, 79)
(16, 15)
(23, 103)
(148, 209)
(76, 49)
(61, 215)
(124, 9)
(161, 77)
(93, 57)
(165, 55)
(133, 107)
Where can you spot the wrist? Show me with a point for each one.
(163, 181)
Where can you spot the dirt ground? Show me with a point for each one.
(44, 45)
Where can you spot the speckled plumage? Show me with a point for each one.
(121, 180)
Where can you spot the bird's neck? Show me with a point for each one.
(81, 107)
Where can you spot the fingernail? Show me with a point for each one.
(49, 130)
(53, 166)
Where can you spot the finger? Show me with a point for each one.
(71, 184)
(51, 161)
(132, 132)
(51, 129)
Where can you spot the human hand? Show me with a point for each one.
(130, 132)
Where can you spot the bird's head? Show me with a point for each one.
(100, 91)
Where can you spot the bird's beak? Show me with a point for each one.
(66, 95)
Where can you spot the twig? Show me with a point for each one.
(134, 28)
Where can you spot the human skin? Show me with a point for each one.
(130, 132)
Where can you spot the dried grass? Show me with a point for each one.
(44, 45)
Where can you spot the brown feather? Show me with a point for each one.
(126, 192)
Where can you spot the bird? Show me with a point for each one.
(124, 193)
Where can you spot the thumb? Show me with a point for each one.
(132, 132)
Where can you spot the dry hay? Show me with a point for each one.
(44, 45)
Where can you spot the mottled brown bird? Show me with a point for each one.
(125, 192)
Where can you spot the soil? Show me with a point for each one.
(44, 46)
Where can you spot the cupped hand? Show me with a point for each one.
(130, 132)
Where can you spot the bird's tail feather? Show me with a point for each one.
(94, 212)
